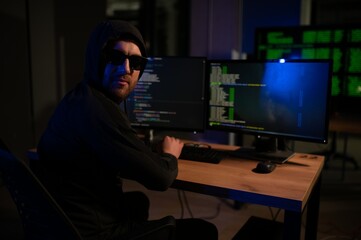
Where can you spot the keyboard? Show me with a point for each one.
(201, 154)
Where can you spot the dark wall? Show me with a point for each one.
(16, 124)
(216, 28)
(265, 13)
(339, 12)
(42, 47)
(42, 50)
(74, 20)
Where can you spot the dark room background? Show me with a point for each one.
(42, 43)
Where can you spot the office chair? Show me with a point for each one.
(42, 218)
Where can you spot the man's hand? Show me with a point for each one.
(172, 146)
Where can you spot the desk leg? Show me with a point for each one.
(292, 225)
(344, 154)
(313, 212)
(293, 220)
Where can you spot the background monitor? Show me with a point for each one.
(170, 95)
(341, 44)
(270, 98)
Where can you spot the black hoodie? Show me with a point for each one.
(89, 146)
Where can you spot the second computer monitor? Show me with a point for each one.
(286, 99)
(170, 95)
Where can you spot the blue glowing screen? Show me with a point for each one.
(287, 98)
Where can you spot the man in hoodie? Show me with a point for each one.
(89, 146)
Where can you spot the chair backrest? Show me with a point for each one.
(41, 216)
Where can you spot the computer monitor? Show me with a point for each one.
(270, 99)
(342, 44)
(170, 95)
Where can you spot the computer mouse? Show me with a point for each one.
(265, 167)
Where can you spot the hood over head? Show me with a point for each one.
(104, 33)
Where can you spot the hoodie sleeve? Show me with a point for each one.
(116, 144)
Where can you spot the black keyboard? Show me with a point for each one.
(201, 154)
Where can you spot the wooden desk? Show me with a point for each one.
(291, 186)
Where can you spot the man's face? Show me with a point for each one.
(119, 78)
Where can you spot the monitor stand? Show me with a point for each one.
(152, 140)
(264, 149)
(149, 137)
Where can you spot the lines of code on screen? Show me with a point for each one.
(169, 95)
